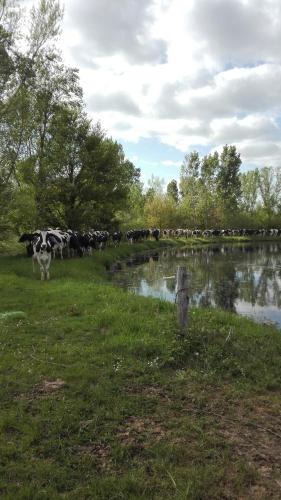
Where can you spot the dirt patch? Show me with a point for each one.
(100, 452)
(253, 427)
(150, 391)
(49, 386)
(140, 432)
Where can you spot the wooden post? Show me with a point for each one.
(182, 298)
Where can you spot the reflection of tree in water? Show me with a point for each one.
(217, 275)
(268, 287)
(260, 277)
(171, 285)
(226, 289)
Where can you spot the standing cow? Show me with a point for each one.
(42, 252)
(40, 245)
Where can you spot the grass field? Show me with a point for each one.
(101, 398)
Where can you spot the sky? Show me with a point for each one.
(166, 77)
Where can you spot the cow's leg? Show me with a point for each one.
(46, 267)
(33, 262)
(42, 270)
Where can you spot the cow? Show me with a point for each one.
(74, 246)
(40, 245)
(133, 235)
(155, 233)
(61, 240)
(28, 238)
(43, 244)
(116, 238)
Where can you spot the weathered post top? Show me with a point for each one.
(182, 298)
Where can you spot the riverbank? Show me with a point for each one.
(101, 398)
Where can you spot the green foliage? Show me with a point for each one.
(133, 215)
(56, 168)
(172, 190)
(161, 211)
(213, 194)
(228, 180)
(249, 187)
(63, 171)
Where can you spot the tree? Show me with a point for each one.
(18, 84)
(189, 174)
(209, 170)
(133, 215)
(20, 67)
(161, 211)
(249, 190)
(172, 190)
(228, 179)
(270, 189)
(104, 180)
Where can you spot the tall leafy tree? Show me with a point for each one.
(20, 69)
(249, 190)
(228, 179)
(209, 169)
(270, 189)
(172, 190)
(104, 180)
(189, 174)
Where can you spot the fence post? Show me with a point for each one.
(182, 298)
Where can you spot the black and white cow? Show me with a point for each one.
(116, 238)
(43, 244)
(40, 246)
(155, 233)
(28, 238)
(61, 241)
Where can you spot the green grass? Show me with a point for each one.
(102, 398)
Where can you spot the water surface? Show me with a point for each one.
(241, 278)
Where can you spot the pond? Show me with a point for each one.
(241, 278)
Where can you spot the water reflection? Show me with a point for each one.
(239, 278)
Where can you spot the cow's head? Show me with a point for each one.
(43, 242)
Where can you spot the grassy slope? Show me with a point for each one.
(102, 399)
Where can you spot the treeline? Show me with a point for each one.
(56, 167)
(59, 169)
(212, 193)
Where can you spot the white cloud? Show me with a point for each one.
(237, 32)
(170, 163)
(200, 73)
(117, 101)
(111, 27)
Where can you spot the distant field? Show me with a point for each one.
(101, 398)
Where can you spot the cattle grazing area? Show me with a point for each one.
(102, 398)
(45, 245)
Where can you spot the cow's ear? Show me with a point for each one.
(23, 237)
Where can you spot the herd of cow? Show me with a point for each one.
(44, 245)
